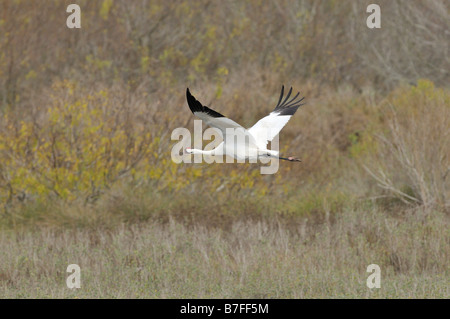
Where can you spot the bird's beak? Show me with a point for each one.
(184, 151)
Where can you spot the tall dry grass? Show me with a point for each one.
(251, 260)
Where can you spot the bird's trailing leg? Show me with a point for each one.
(290, 158)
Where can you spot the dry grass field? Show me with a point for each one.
(249, 260)
(86, 175)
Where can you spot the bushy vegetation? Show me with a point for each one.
(82, 147)
(87, 115)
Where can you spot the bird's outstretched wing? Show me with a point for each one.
(210, 117)
(268, 127)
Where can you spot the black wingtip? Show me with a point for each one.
(286, 106)
(196, 106)
(281, 96)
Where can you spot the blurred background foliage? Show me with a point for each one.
(86, 114)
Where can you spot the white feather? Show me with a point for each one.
(268, 127)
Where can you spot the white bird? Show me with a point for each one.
(242, 143)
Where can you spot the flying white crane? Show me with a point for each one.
(246, 143)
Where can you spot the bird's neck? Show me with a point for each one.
(196, 151)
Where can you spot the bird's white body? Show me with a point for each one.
(241, 143)
(239, 151)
